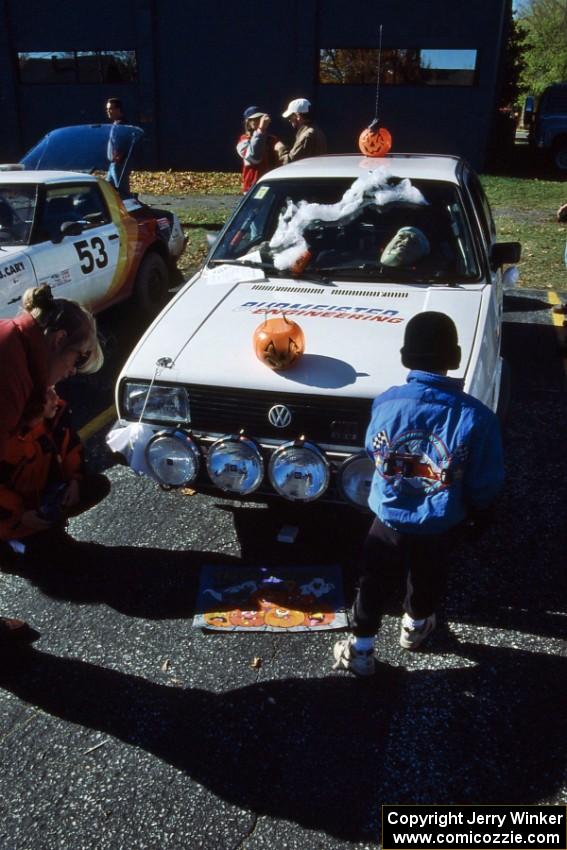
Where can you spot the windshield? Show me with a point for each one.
(374, 227)
(17, 209)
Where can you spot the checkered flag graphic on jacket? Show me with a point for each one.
(380, 442)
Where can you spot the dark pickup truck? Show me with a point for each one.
(548, 124)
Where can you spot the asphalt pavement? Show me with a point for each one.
(126, 729)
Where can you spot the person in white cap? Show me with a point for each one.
(309, 139)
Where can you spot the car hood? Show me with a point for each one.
(353, 332)
(83, 147)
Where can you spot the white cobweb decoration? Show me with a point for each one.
(371, 189)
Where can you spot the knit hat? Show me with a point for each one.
(431, 343)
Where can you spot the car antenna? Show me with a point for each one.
(161, 363)
(375, 140)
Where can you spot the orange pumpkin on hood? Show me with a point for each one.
(278, 342)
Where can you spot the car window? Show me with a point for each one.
(370, 241)
(17, 210)
(482, 208)
(81, 203)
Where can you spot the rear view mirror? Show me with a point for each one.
(505, 253)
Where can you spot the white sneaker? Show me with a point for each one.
(411, 637)
(359, 662)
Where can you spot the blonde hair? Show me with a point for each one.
(61, 314)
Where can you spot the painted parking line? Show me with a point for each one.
(96, 424)
(558, 320)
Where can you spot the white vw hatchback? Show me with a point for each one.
(350, 249)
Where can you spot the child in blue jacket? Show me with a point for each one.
(438, 465)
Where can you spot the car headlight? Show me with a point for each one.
(299, 471)
(173, 458)
(355, 478)
(235, 465)
(155, 403)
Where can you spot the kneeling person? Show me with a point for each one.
(43, 478)
(438, 465)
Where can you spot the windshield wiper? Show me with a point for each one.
(391, 275)
(269, 267)
(363, 270)
(251, 264)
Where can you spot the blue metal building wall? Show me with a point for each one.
(447, 119)
(32, 26)
(200, 63)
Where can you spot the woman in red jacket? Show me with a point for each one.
(52, 339)
(256, 147)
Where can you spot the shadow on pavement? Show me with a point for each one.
(312, 751)
(149, 583)
(524, 304)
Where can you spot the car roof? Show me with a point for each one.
(18, 175)
(415, 166)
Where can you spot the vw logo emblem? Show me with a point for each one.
(279, 416)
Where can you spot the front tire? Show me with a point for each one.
(152, 284)
(560, 155)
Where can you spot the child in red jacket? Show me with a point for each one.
(42, 473)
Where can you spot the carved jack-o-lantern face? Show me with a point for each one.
(247, 619)
(375, 141)
(278, 342)
(318, 618)
(220, 619)
(284, 618)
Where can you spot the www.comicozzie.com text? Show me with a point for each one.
(444, 819)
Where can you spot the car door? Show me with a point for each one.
(79, 265)
(489, 363)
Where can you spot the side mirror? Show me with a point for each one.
(68, 228)
(505, 253)
(212, 238)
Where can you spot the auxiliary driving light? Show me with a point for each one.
(235, 465)
(299, 471)
(354, 479)
(173, 458)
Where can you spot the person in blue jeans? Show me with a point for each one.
(438, 462)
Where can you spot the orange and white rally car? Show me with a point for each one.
(78, 232)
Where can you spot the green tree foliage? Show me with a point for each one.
(514, 64)
(545, 25)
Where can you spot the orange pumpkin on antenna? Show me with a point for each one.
(278, 342)
(375, 140)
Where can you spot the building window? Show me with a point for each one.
(351, 66)
(78, 67)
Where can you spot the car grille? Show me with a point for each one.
(322, 419)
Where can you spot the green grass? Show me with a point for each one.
(195, 252)
(524, 211)
(524, 193)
